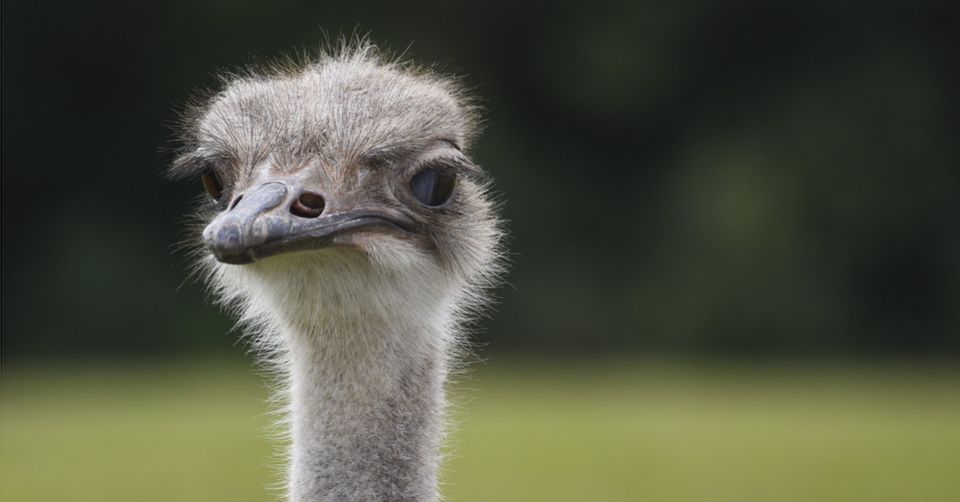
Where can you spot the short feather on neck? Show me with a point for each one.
(365, 364)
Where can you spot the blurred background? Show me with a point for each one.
(736, 249)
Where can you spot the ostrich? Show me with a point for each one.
(352, 236)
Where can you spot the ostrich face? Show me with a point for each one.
(346, 176)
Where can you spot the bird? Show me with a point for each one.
(346, 227)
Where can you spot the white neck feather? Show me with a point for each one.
(365, 362)
(366, 424)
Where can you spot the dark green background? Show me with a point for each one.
(697, 177)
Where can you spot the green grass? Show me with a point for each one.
(527, 431)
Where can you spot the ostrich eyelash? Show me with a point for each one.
(195, 164)
(461, 166)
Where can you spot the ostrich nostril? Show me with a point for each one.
(235, 202)
(308, 205)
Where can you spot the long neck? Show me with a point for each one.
(366, 414)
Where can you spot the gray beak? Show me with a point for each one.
(270, 219)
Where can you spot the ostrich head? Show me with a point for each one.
(339, 194)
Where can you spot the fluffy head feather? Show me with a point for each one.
(354, 118)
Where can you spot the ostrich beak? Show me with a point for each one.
(266, 221)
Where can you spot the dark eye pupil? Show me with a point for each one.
(432, 186)
(211, 183)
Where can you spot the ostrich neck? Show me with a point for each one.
(366, 415)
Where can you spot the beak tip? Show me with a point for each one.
(227, 245)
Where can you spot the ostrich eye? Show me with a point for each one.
(212, 184)
(433, 186)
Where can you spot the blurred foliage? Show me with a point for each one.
(698, 176)
(528, 431)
